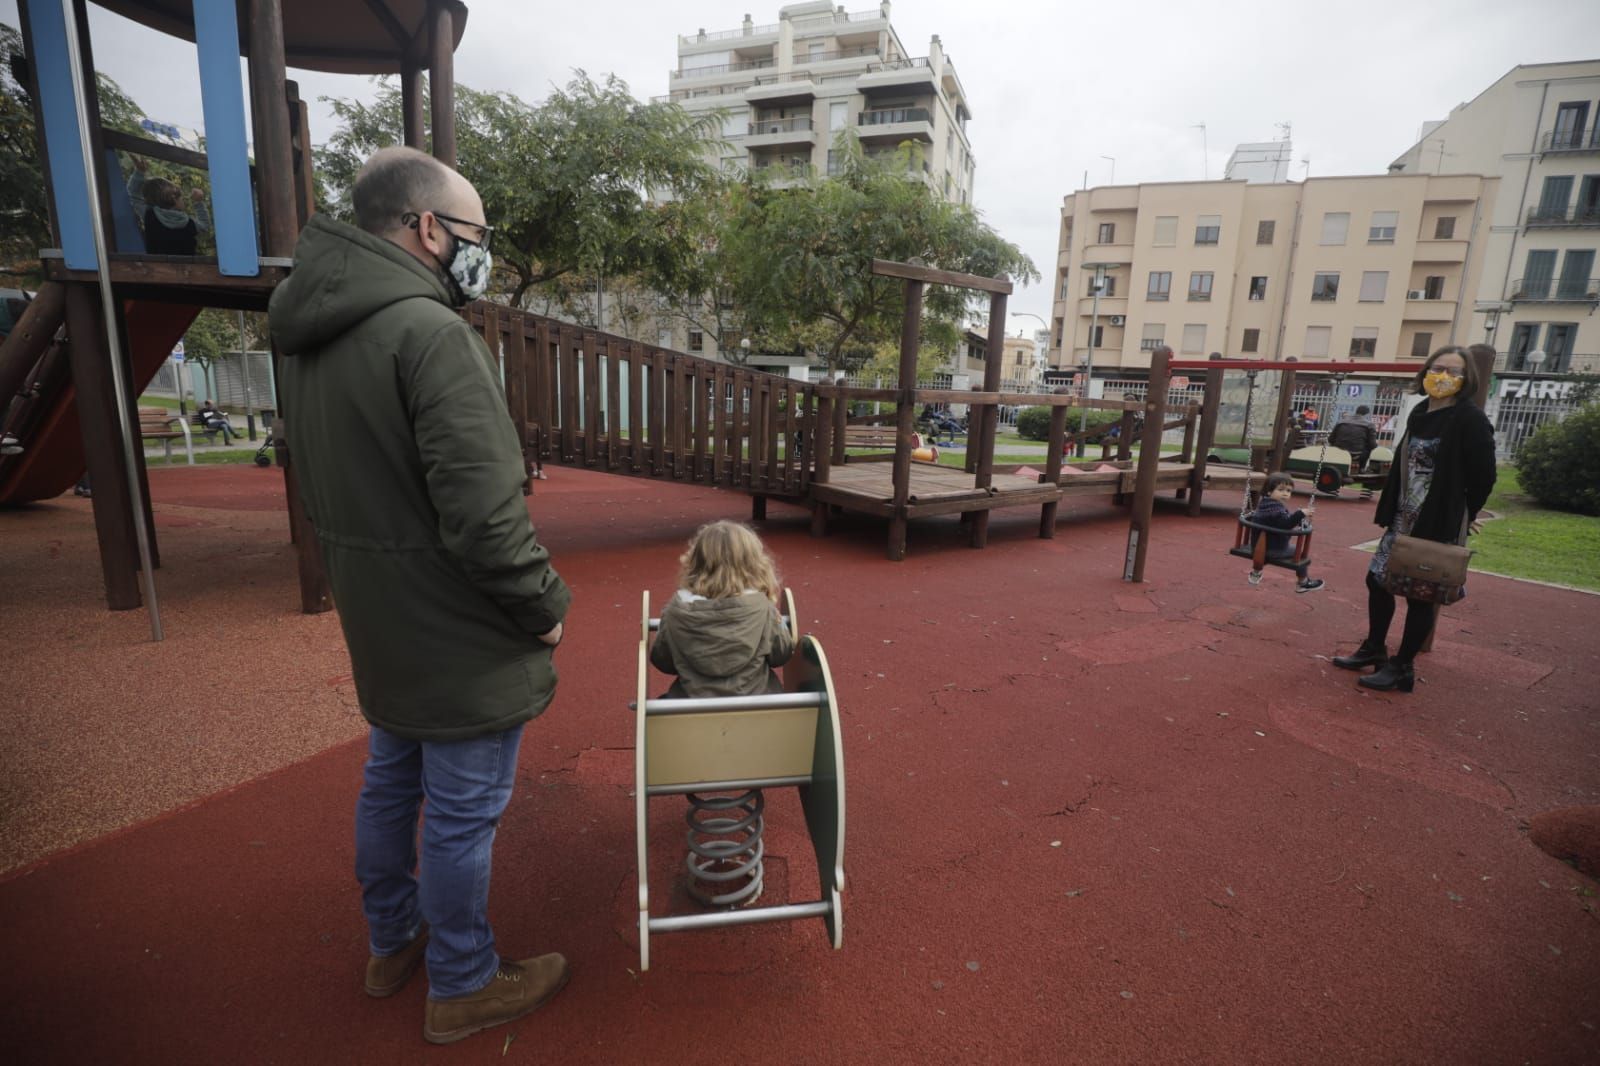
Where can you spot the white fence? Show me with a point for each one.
(1520, 406)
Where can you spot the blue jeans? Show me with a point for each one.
(465, 786)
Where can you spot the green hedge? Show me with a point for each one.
(1560, 464)
(1033, 423)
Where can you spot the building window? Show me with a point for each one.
(1160, 285)
(1108, 232)
(1444, 229)
(1421, 344)
(1384, 225)
(1251, 342)
(1524, 338)
(1064, 292)
(1335, 227)
(1374, 284)
(1098, 336)
(1571, 118)
(1317, 338)
(1208, 229)
(697, 340)
(1364, 342)
(1433, 287)
(1166, 235)
(1108, 285)
(1325, 287)
(1265, 229)
(1200, 285)
(1558, 346)
(1258, 287)
(1194, 338)
(838, 115)
(1154, 336)
(1060, 332)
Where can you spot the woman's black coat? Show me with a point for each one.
(1463, 474)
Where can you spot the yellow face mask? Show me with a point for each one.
(1440, 385)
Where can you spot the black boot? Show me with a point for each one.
(1369, 654)
(1396, 675)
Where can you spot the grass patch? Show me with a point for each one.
(240, 453)
(1534, 542)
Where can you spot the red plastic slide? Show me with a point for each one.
(54, 459)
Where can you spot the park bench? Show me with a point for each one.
(156, 423)
(743, 744)
(198, 426)
(870, 437)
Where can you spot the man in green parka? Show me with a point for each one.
(412, 475)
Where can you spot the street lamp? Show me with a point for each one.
(1113, 167)
(1534, 358)
(1096, 287)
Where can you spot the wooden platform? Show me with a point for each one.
(868, 488)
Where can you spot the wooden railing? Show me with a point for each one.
(583, 398)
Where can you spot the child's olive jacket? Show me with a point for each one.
(412, 475)
(724, 647)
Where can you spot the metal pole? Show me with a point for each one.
(1088, 359)
(244, 360)
(109, 312)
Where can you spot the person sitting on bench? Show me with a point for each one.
(1357, 436)
(216, 421)
(721, 635)
(1273, 510)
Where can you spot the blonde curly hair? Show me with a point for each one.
(724, 559)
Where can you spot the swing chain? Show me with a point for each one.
(1245, 507)
(1316, 479)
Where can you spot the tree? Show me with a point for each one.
(25, 214)
(820, 295)
(567, 183)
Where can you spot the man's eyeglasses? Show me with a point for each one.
(414, 220)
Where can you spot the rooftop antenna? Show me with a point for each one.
(1307, 175)
(1205, 164)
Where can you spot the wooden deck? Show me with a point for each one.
(935, 490)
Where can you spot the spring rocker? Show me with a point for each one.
(741, 745)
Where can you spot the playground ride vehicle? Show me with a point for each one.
(1332, 467)
(741, 745)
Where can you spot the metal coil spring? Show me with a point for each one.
(714, 861)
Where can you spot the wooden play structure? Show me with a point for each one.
(743, 745)
(109, 312)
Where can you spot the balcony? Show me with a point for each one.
(774, 131)
(1430, 310)
(719, 69)
(779, 89)
(781, 171)
(1555, 291)
(690, 40)
(899, 76)
(829, 57)
(1578, 140)
(1436, 251)
(896, 125)
(1575, 218)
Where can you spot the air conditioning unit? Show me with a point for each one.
(1414, 294)
(1116, 320)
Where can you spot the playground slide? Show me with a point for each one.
(54, 461)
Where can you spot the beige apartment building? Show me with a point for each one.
(1535, 128)
(1357, 269)
(787, 90)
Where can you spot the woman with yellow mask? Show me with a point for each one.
(1444, 470)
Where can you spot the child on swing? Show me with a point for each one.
(1273, 510)
(721, 634)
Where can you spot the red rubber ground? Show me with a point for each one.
(1088, 822)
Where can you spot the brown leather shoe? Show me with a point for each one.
(388, 974)
(517, 988)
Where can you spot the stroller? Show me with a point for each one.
(269, 441)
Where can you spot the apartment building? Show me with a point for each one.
(1375, 268)
(1538, 129)
(787, 90)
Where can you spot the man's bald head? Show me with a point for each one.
(400, 195)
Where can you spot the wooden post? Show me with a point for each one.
(821, 452)
(102, 447)
(1052, 466)
(411, 104)
(1144, 493)
(994, 350)
(442, 83)
(305, 186)
(1209, 410)
(269, 95)
(905, 417)
(841, 419)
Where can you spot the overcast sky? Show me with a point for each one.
(1055, 85)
